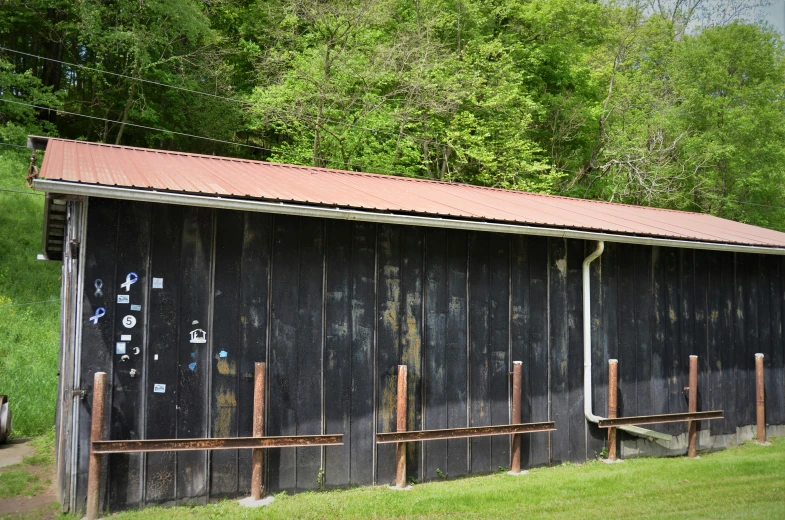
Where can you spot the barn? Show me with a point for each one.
(182, 271)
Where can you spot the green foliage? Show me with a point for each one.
(19, 482)
(668, 104)
(30, 331)
(44, 450)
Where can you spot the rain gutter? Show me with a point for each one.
(304, 210)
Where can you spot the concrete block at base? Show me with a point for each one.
(250, 502)
(523, 472)
(396, 488)
(609, 461)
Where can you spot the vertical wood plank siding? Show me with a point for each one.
(334, 306)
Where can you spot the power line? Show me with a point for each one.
(23, 192)
(254, 147)
(215, 96)
(14, 145)
(28, 303)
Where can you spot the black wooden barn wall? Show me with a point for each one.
(334, 306)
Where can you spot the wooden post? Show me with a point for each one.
(257, 485)
(96, 434)
(613, 394)
(517, 383)
(760, 401)
(693, 407)
(400, 448)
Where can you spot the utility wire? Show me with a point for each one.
(14, 145)
(28, 303)
(254, 147)
(215, 96)
(24, 192)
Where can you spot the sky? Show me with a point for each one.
(774, 14)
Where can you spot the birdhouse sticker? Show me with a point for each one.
(198, 336)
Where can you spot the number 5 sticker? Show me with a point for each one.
(129, 322)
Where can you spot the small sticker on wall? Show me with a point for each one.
(123, 298)
(198, 336)
(192, 366)
(125, 337)
(129, 322)
(158, 283)
(136, 307)
(155, 357)
(120, 348)
(99, 313)
(98, 284)
(130, 279)
(222, 354)
(159, 388)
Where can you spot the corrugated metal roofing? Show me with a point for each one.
(141, 168)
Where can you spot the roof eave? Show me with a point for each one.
(184, 199)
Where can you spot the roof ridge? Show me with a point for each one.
(392, 177)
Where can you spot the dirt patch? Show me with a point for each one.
(40, 505)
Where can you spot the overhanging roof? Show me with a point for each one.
(94, 169)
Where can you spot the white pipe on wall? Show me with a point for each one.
(587, 386)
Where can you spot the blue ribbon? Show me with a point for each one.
(130, 278)
(99, 312)
(98, 285)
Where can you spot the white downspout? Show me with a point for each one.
(587, 388)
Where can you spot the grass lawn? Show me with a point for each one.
(743, 482)
(29, 332)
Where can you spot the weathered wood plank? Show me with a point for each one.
(388, 345)
(574, 317)
(193, 370)
(626, 315)
(338, 350)
(362, 347)
(437, 306)
(282, 369)
(539, 349)
(97, 348)
(456, 350)
(499, 364)
(254, 326)
(162, 350)
(411, 335)
(479, 369)
(307, 352)
(133, 250)
(559, 340)
(225, 355)
(520, 331)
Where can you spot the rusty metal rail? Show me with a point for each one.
(402, 436)
(662, 418)
(461, 433)
(229, 443)
(99, 446)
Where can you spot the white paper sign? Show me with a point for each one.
(136, 307)
(158, 283)
(159, 388)
(123, 298)
(129, 322)
(120, 348)
(125, 337)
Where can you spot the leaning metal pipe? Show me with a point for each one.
(587, 388)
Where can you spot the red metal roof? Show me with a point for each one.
(142, 168)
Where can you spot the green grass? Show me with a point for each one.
(19, 482)
(29, 334)
(742, 482)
